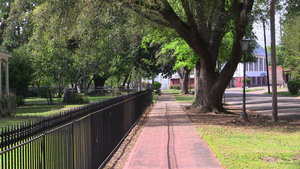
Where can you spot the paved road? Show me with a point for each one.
(169, 141)
(288, 107)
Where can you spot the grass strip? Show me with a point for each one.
(184, 98)
(253, 148)
(284, 93)
(155, 98)
(37, 107)
(255, 89)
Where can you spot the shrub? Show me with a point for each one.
(46, 92)
(8, 105)
(156, 85)
(146, 85)
(192, 87)
(72, 97)
(248, 81)
(80, 99)
(294, 87)
(174, 87)
(20, 100)
(117, 92)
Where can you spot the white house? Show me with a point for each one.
(256, 71)
(165, 82)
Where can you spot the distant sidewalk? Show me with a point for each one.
(169, 141)
(259, 102)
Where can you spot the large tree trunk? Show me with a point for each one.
(210, 85)
(125, 80)
(99, 81)
(197, 84)
(209, 91)
(184, 74)
(185, 84)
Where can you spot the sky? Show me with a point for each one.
(258, 30)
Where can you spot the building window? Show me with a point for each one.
(253, 80)
(251, 66)
(256, 65)
(264, 80)
(261, 64)
(192, 72)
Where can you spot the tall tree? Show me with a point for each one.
(20, 71)
(185, 61)
(203, 24)
(290, 51)
(4, 13)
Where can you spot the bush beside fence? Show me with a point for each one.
(81, 138)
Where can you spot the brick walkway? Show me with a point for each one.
(169, 141)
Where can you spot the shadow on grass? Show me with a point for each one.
(29, 113)
(181, 98)
(38, 108)
(256, 121)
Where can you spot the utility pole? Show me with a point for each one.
(266, 53)
(273, 60)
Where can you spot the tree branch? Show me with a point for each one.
(188, 13)
(241, 21)
(191, 36)
(151, 18)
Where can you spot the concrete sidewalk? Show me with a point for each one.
(169, 141)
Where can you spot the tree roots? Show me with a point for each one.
(197, 108)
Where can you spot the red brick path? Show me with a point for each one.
(169, 141)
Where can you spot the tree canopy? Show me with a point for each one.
(74, 42)
(202, 24)
(290, 42)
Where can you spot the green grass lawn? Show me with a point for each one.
(285, 93)
(33, 112)
(98, 98)
(253, 148)
(184, 98)
(255, 89)
(42, 110)
(154, 98)
(38, 100)
(172, 91)
(35, 108)
(179, 97)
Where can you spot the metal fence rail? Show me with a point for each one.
(78, 139)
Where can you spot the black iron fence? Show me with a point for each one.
(81, 138)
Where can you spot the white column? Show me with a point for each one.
(7, 79)
(0, 79)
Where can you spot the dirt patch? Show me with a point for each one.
(255, 120)
(270, 159)
(120, 157)
(297, 157)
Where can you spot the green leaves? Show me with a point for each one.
(71, 41)
(291, 46)
(20, 70)
(185, 57)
